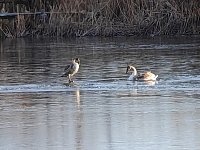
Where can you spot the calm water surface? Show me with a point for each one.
(102, 110)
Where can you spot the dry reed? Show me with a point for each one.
(112, 18)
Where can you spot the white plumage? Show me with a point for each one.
(72, 69)
(147, 76)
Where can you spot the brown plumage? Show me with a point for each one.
(72, 69)
(147, 76)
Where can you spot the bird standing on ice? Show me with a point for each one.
(72, 69)
(147, 76)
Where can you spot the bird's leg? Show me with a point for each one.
(70, 80)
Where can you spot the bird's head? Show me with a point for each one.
(77, 60)
(129, 68)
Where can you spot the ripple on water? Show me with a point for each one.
(92, 85)
(187, 84)
(30, 88)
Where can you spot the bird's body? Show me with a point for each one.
(71, 69)
(147, 76)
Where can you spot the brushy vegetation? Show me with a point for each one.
(108, 18)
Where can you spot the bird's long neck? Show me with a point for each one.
(73, 61)
(134, 72)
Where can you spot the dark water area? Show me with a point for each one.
(102, 110)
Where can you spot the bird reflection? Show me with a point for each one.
(151, 83)
(77, 93)
(79, 121)
(26, 105)
(134, 90)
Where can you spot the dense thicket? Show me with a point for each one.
(106, 18)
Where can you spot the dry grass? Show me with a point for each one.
(113, 17)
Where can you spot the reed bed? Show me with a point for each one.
(112, 18)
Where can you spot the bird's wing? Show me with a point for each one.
(68, 67)
(68, 70)
(140, 75)
(149, 76)
(145, 75)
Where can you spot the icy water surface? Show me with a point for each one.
(101, 110)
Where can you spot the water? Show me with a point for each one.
(102, 110)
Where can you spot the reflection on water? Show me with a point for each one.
(78, 100)
(102, 110)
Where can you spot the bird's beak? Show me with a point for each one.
(127, 69)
